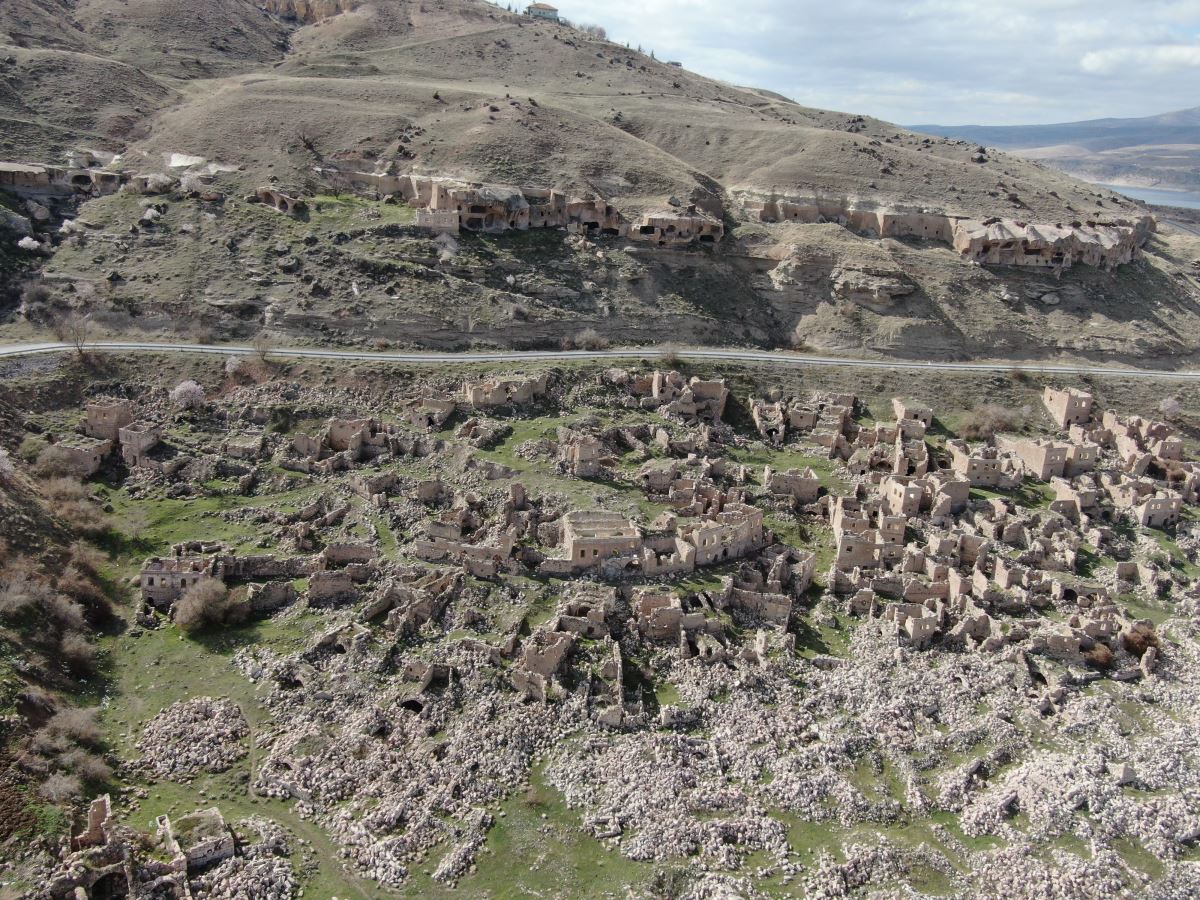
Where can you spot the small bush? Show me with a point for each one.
(88, 560)
(73, 503)
(84, 518)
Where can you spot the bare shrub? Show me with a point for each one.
(65, 614)
(1140, 638)
(81, 587)
(73, 503)
(87, 559)
(78, 654)
(74, 329)
(263, 345)
(205, 603)
(59, 788)
(87, 766)
(590, 339)
(987, 420)
(1099, 656)
(76, 724)
(668, 356)
(187, 395)
(34, 294)
(53, 462)
(235, 366)
(19, 594)
(8, 469)
(1170, 406)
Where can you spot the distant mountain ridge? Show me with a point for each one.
(1151, 151)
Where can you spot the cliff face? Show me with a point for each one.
(994, 241)
(308, 11)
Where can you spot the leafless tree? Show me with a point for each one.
(75, 329)
(263, 345)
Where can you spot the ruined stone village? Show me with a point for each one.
(445, 452)
(698, 635)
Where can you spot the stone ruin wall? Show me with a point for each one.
(993, 241)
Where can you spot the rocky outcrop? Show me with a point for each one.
(876, 289)
(308, 11)
(993, 241)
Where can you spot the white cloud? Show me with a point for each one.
(1168, 58)
(921, 61)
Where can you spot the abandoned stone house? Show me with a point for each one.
(105, 418)
(447, 205)
(912, 411)
(1159, 511)
(542, 11)
(1005, 242)
(1068, 407)
(692, 400)
(802, 485)
(984, 467)
(584, 455)
(197, 840)
(1038, 458)
(504, 391)
(590, 536)
(773, 419)
(137, 440)
(541, 659)
(113, 422)
(614, 544)
(164, 580)
(83, 455)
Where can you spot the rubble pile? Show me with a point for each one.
(193, 736)
(262, 872)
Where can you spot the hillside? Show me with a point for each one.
(317, 99)
(1150, 151)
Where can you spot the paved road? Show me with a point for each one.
(778, 358)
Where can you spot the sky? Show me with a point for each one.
(912, 62)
